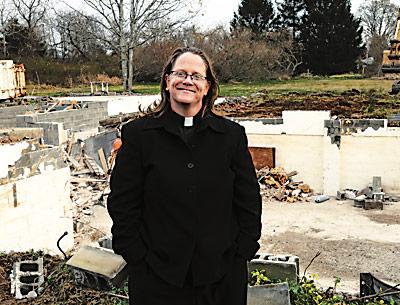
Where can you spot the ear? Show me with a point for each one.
(167, 82)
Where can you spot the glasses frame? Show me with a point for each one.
(194, 77)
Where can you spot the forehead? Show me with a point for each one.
(190, 62)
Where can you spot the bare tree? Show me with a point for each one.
(378, 17)
(74, 35)
(129, 24)
(6, 14)
(31, 12)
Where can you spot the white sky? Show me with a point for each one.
(216, 12)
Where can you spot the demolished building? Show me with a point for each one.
(328, 153)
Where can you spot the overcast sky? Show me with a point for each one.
(216, 12)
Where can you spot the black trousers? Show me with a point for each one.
(146, 288)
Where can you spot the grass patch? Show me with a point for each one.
(334, 84)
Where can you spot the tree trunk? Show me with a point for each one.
(123, 47)
(131, 69)
(4, 45)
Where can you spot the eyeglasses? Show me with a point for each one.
(182, 75)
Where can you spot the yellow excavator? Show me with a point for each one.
(391, 57)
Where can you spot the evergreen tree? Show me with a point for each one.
(331, 37)
(21, 41)
(256, 15)
(289, 15)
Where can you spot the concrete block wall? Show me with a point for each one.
(8, 114)
(76, 120)
(35, 212)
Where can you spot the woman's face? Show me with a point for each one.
(186, 92)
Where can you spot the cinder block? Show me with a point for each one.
(98, 268)
(277, 267)
(372, 204)
(270, 294)
(27, 278)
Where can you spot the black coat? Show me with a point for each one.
(184, 205)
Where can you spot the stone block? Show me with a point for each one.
(270, 294)
(277, 267)
(98, 268)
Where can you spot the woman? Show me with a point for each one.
(184, 196)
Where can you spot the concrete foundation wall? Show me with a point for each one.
(121, 104)
(296, 153)
(8, 114)
(35, 212)
(75, 120)
(326, 166)
(362, 157)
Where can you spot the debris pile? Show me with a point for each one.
(89, 186)
(116, 120)
(276, 183)
(370, 197)
(7, 139)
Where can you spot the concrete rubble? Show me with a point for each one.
(370, 197)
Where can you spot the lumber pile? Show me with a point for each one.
(276, 183)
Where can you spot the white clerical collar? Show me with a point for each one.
(188, 121)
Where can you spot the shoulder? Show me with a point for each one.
(226, 124)
(140, 124)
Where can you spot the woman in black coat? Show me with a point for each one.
(184, 198)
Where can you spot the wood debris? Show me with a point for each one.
(89, 187)
(276, 183)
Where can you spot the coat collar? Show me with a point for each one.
(171, 122)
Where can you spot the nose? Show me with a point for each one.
(188, 76)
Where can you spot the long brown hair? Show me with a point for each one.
(158, 108)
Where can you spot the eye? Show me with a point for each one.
(180, 74)
(197, 76)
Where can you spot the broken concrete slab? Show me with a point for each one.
(269, 294)
(98, 268)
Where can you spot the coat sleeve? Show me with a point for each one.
(126, 197)
(247, 199)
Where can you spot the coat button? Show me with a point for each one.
(190, 165)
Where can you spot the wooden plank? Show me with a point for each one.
(103, 160)
(263, 156)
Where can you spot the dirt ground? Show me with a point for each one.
(352, 240)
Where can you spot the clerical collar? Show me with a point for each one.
(188, 121)
(184, 121)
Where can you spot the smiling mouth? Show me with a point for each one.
(186, 89)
